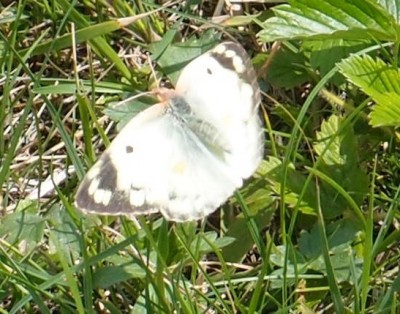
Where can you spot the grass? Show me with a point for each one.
(314, 231)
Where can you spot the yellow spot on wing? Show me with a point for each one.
(179, 167)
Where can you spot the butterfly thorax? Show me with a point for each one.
(178, 106)
(205, 132)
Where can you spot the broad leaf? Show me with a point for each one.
(125, 110)
(324, 54)
(336, 146)
(356, 19)
(381, 82)
(392, 7)
(23, 228)
(109, 275)
(387, 111)
(172, 57)
(287, 69)
(341, 234)
(328, 146)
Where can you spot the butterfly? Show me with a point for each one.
(186, 155)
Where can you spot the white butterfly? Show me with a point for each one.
(185, 156)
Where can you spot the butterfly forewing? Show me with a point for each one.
(186, 156)
(221, 88)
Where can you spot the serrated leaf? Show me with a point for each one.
(374, 77)
(337, 18)
(387, 111)
(392, 7)
(381, 82)
(341, 168)
(269, 164)
(336, 146)
(329, 142)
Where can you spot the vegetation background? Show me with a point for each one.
(315, 231)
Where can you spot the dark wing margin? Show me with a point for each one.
(102, 178)
(249, 75)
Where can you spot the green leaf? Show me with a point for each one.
(381, 82)
(387, 111)
(326, 53)
(392, 7)
(239, 20)
(341, 235)
(125, 110)
(109, 275)
(341, 257)
(240, 234)
(201, 242)
(64, 232)
(316, 19)
(341, 232)
(329, 142)
(295, 185)
(336, 146)
(287, 69)
(373, 76)
(23, 228)
(174, 56)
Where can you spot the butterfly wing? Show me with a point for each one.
(221, 88)
(186, 157)
(156, 163)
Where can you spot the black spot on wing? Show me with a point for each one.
(129, 149)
